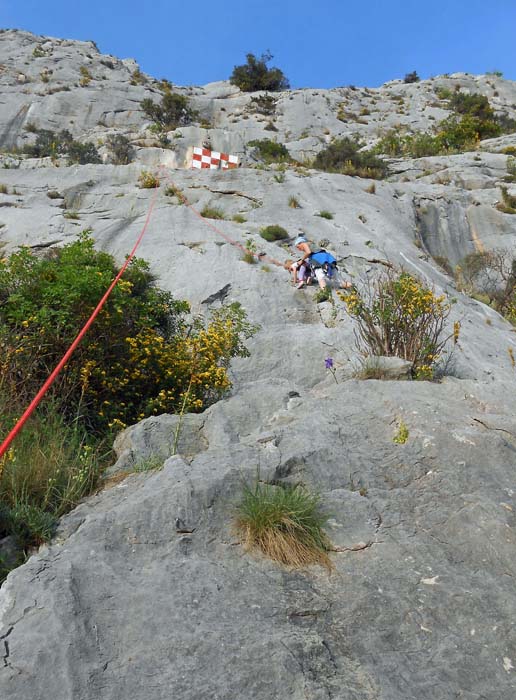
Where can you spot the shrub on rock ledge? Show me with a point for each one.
(274, 233)
(397, 315)
(270, 151)
(344, 156)
(255, 75)
(173, 111)
(144, 358)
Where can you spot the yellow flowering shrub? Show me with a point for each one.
(142, 357)
(397, 315)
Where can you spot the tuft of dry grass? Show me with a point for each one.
(285, 523)
(212, 213)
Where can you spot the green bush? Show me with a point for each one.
(173, 111)
(49, 143)
(270, 151)
(475, 105)
(344, 156)
(83, 153)
(285, 523)
(473, 119)
(274, 233)
(411, 77)
(120, 149)
(144, 358)
(255, 75)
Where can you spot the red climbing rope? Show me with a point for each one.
(260, 256)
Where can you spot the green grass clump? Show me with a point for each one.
(249, 254)
(325, 214)
(274, 233)
(147, 180)
(173, 191)
(45, 473)
(402, 434)
(323, 295)
(212, 213)
(239, 219)
(508, 203)
(285, 523)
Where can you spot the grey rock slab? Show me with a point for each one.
(148, 577)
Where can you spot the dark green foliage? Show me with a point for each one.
(51, 144)
(83, 153)
(142, 357)
(173, 111)
(473, 104)
(473, 119)
(58, 293)
(273, 233)
(255, 75)
(443, 93)
(344, 156)
(30, 524)
(270, 151)
(411, 77)
(121, 150)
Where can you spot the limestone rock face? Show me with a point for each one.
(146, 591)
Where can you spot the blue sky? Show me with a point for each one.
(317, 43)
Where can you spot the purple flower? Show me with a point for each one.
(328, 362)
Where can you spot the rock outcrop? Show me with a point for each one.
(146, 591)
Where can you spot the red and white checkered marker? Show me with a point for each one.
(203, 158)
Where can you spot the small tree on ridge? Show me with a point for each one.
(255, 75)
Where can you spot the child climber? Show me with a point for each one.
(301, 272)
(322, 264)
